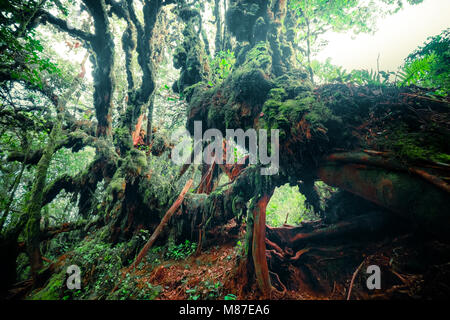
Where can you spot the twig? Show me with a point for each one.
(400, 277)
(281, 283)
(299, 254)
(353, 279)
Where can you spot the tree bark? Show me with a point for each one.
(103, 46)
(259, 246)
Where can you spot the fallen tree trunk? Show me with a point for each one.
(295, 238)
(398, 191)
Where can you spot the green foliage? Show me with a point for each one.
(429, 65)
(230, 296)
(130, 290)
(71, 163)
(416, 71)
(193, 295)
(213, 290)
(221, 67)
(21, 52)
(326, 72)
(239, 246)
(207, 290)
(287, 205)
(100, 265)
(365, 77)
(181, 251)
(316, 17)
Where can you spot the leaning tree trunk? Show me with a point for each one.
(33, 209)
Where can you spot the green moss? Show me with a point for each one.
(139, 157)
(242, 15)
(286, 114)
(416, 146)
(179, 57)
(294, 83)
(195, 89)
(441, 157)
(53, 289)
(117, 184)
(122, 139)
(408, 148)
(278, 94)
(258, 57)
(190, 55)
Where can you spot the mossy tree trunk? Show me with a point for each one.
(33, 209)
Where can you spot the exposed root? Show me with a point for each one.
(353, 279)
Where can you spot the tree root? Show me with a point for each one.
(353, 279)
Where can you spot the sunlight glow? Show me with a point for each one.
(396, 37)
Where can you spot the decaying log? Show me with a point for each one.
(289, 241)
(373, 159)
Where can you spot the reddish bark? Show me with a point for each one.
(394, 190)
(136, 135)
(379, 159)
(259, 246)
(441, 184)
(206, 185)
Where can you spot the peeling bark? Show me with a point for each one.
(259, 246)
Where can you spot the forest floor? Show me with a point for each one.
(193, 277)
(210, 274)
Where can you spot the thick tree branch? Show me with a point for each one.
(62, 25)
(75, 141)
